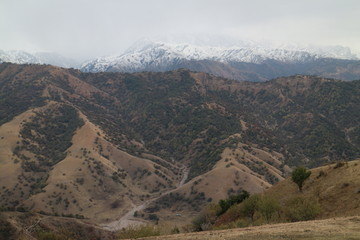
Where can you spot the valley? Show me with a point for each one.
(128, 219)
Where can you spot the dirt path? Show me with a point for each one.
(129, 220)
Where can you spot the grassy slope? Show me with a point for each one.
(337, 189)
(333, 229)
(335, 186)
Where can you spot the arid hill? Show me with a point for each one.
(331, 191)
(97, 145)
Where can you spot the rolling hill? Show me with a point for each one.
(97, 145)
(330, 196)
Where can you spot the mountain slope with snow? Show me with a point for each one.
(242, 61)
(248, 62)
(22, 57)
(157, 54)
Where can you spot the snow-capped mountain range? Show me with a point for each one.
(22, 57)
(149, 55)
(243, 60)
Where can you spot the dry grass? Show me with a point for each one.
(96, 200)
(35, 226)
(337, 189)
(338, 228)
(227, 176)
(95, 195)
(9, 136)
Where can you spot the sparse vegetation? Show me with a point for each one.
(250, 206)
(225, 204)
(7, 231)
(141, 231)
(267, 207)
(256, 209)
(301, 209)
(169, 118)
(47, 136)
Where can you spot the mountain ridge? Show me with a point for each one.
(248, 63)
(23, 57)
(242, 61)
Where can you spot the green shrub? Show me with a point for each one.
(153, 217)
(205, 220)
(47, 235)
(250, 206)
(139, 232)
(267, 207)
(175, 230)
(198, 222)
(7, 231)
(301, 209)
(232, 200)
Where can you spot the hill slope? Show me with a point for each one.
(98, 144)
(330, 191)
(335, 187)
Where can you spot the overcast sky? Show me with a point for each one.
(90, 28)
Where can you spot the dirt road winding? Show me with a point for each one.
(129, 220)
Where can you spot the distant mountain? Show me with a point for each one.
(248, 62)
(242, 61)
(22, 57)
(162, 55)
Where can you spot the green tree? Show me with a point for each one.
(299, 175)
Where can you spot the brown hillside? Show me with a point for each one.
(330, 191)
(83, 182)
(336, 187)
(108, 146)
(241, 168)
(32, 226)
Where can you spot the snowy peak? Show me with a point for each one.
(22, 57)
(19, 57)
(149, 55)
(242, 60)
